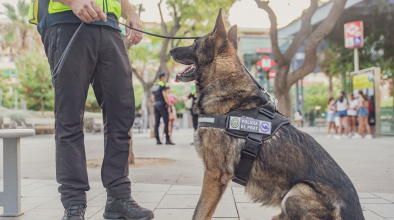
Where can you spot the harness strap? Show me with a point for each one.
(216, 121)
(249, 153)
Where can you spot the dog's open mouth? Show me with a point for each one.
(188, 73)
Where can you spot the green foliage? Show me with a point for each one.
(91, 104)
(138, 94)
(35, 80)
(315, 95)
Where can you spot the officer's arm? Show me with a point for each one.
(133, 20)
(86, 10)
(153, 98)
(166, 97)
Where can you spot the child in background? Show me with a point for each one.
(352, 114)
(331, 116)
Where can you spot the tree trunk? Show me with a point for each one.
(42, 107)
(284, 102)
(131, 153)
(151, 114)
(330, 89)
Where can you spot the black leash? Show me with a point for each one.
(155, 35)
(62, 59)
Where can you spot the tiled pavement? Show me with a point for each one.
(40, 201)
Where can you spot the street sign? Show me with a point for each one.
(266, 63)
(354, 34)
(263, 50)
(271, 74)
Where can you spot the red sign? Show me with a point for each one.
(354, 34)
(266, 63)
(263, 50)
(271, 74)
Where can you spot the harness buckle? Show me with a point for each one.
(251, 147)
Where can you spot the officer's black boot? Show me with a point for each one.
(158, 142)
(125, 208)
(75, 212)
(168, 142)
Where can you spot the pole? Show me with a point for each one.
(356, 59)
(302, 102)
(1, 97)
(16, 99)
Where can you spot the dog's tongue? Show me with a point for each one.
(180, 73)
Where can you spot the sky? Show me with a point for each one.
(244, 13)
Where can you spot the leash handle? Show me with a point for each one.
(155, 35)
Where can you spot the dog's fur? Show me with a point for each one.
(291, 171)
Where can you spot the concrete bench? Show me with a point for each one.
(98, 124)
(10, 199)
(8, 123)
(39, 123)
(320, 122)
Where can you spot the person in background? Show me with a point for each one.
(160, 98)
(192, 96)
(352, 114)
(331, 116)
(342, 106)
(298, 118)
(363, 117)
(171, 111)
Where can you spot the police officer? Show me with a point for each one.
(160, 98)
(97, 57)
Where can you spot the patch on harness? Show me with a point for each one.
(249, 125)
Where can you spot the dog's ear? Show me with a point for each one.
(219, 31)
(232, 36)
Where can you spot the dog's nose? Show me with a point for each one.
(171, 51)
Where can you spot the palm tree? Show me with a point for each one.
(18, 35)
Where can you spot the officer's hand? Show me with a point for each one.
(134, 21)
(87, 10)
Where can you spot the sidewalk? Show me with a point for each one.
(173, 190)
(40, 201)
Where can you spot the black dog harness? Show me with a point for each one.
(255, 125)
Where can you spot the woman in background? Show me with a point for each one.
(342, 106)
(171, 111)
(352, 114)
(331, 116)
(363, 117)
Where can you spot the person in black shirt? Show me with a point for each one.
(160, 98)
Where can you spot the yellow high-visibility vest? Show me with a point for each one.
(38, 8)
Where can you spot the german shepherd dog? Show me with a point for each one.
(292, 170)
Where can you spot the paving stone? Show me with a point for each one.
(384, 210)
(374, 201)
(179, 202)
(41, 214)
(241, 198)
(53, 204)
(155, 197)
(37, 200)
(368, 215)
(254, 211)
(226, 210)
(367, 196)
(173, 214)
(184, 188)
(92, 193)
(387, 196)
(140, 187)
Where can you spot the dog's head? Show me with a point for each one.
(199, 57)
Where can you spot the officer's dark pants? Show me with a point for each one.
(194, 119)
(161, 110)
(98, 57)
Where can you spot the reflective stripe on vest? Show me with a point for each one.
(108, 6)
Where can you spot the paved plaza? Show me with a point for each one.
(172, 190)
